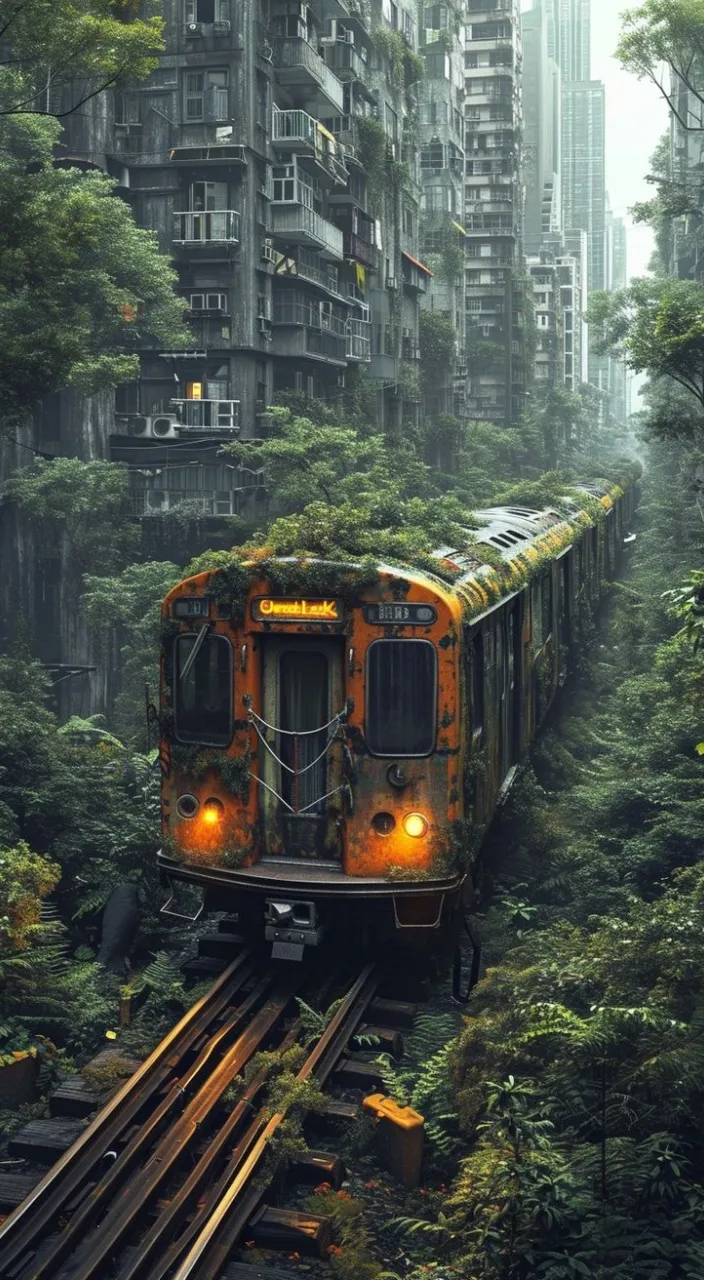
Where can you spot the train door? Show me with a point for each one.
(300, 754)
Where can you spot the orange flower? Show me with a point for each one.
(323, 1188)
(334, 1251)
(371, 1186)
(249, 1244)
(293, 1257)
(343, 1195)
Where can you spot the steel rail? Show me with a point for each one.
(140, 1191)
(209, 1253)
(176, 1100)
(31, 1222)
(173, 1215)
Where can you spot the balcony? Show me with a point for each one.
(299, 132)
(208, 415)
(216, 226)
(358, 341)
(318, 331)
(296, 224)
(200, 502)
(362, 251)
(298, 64)
(344, 60)
(308, 266)
(415, 274)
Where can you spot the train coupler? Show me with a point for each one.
(291, 926)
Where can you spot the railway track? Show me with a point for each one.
(166, 1178)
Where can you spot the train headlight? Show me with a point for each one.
(187, 806)
(414, 824)
(383, 823)
(213, 811)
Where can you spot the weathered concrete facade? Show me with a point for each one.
(274, 153)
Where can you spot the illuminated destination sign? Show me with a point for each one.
(401, 615)
(265, 609)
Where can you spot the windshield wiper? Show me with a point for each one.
(200, 641)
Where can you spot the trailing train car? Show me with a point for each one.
(335, 738)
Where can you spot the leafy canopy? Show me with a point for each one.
(80, 283)
(657, 326)
(57, 54)
(663, 37)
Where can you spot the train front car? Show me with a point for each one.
(311, 752)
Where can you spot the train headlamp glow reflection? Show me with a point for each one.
(414, 824)
(212, 812)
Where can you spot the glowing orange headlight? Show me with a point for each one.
(212, 812)
(414, 824)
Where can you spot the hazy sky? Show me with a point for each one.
(636, 117)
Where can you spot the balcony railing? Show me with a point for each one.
(358, 340)
(304, 226)
(361, 250)
(296, 310)
(299, 131)
(216, 226)
(299, 63)
(294, 126)
(199, 502)
(208, 415)
(343, 59)
(309, 267)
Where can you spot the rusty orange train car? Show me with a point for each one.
(335, 740)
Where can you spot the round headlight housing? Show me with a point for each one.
(187, 806)
(213, 811)
(416, 825)
(383, 823)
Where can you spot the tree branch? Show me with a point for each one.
(59, 115)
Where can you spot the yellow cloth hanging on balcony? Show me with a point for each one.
(361, 274)
(325, 132)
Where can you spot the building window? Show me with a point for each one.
(206, 96)
(207, 10)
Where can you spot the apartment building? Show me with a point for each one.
(274, 153)
(497, 291)
(442, 162)
(266, 153)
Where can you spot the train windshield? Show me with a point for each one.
(401, 697)
(203, 689)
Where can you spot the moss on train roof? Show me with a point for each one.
(347, 571)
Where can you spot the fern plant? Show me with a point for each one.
(426, 1086)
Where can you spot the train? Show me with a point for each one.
(336, 737)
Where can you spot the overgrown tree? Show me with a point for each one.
(58, 54)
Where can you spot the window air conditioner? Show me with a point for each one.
(222, 27)
(265, 326)
(160, 426)
(268, 252)
(194, 28)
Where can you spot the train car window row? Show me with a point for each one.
(402, 681)
(203, 689)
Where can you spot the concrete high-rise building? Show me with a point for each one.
(274, 153)
(497, 288)
(572, 27)
(541, 131)
(441, 139)
(584, 170)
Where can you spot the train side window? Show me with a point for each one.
(536, 609)
(402, 682)
(203, 689)
(477, 711)
(546, 597)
